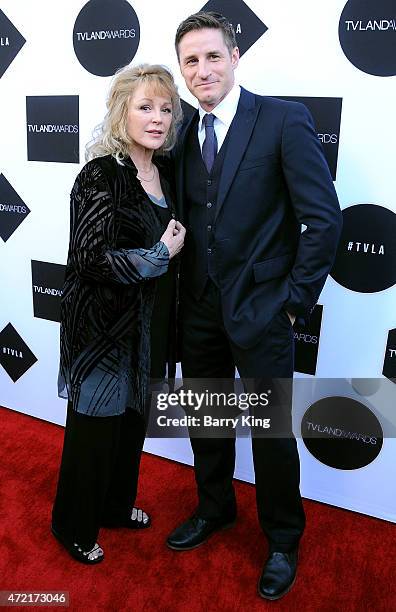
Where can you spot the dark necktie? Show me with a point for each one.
(209, 147)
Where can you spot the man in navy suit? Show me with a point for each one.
(250, 174)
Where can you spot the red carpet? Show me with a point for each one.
(347, 560)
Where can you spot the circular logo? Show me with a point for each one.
(342, 433)
(366, 254)
(367, 32)
(106, 36)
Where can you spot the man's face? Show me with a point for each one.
(207, 66)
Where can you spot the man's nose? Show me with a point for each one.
(203, 69)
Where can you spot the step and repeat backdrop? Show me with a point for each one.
(339, 59)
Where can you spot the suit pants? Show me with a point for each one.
(98, 473)
(208, 354)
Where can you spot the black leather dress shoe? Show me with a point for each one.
(195, 532)
(279, 575)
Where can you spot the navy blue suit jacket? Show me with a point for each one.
(274, 180)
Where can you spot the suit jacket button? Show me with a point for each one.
(209, 251)
(209, 205)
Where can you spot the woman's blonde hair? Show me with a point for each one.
(111, 136)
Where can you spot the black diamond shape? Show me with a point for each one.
(11, 42)
(13, 210)
(15, 355)
(389, 370)
(248, 27)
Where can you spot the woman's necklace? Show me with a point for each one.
(146, 180)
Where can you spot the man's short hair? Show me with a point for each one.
(202, 20)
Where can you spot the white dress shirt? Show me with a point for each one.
(224, 113)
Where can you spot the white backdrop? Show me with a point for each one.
(299, 55)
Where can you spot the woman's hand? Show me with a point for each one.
(173, 237)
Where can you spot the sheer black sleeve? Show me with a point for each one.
(91, 234)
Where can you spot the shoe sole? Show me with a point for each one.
(275, 597)
(71, 551)
(181, 549)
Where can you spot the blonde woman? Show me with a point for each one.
(116, 307)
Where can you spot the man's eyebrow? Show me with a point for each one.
(194, 55)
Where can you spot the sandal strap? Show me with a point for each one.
(139, 515)
(95, 552)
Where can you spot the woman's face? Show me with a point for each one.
(149, 117)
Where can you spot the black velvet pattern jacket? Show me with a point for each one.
(115, 255)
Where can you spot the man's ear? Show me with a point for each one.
(235, 57)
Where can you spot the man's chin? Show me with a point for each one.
(207, 100)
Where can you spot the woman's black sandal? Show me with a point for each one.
(89, 557)
(138, 520)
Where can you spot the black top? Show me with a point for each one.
(163, 304)
(115, 256)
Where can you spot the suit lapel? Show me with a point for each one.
(240, 131)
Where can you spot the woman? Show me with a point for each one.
(123, 234)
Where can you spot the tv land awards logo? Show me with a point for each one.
(342, 433)
(47, 284)
(52, 124)
(326, 113)
(389, 370)
(15, 355)
(306, 343)
(366, 255)
(106, 36)
(13, 210)
(11, 42)
(367, 32)
(247, 25)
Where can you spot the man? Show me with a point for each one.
(250, 173)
